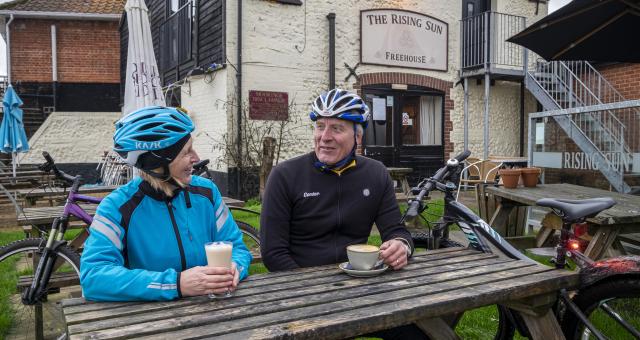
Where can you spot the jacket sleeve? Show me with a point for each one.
(103, 275)
(226, 229)
(389, 220)
(275, 223)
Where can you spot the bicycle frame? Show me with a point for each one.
(48, 259)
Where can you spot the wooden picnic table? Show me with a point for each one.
(400, 176)
(325, 303)
(622, 218)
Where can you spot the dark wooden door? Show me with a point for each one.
(397, 136)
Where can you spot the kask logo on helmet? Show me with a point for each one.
(149, 145)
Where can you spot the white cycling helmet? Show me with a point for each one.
(340, 104)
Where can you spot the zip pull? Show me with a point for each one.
(189, 232)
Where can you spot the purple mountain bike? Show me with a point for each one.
(47, 265)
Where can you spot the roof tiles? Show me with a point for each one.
(66, 6)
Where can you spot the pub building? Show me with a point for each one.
(438, 76)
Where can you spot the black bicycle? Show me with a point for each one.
(606, 303)
(250, 235)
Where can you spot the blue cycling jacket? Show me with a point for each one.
(140, 240)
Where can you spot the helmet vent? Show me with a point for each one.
(149, 126)
(150, 138)
(175, 128)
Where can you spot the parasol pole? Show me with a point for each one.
(13, 162)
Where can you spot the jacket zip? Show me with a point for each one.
(183, 260)
(335, 233)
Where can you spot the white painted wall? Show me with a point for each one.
(72, 137)
(281, 53)
(205, 97)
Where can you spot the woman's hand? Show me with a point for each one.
(236, 276)
(205, 280)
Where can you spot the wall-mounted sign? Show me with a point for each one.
(403, 38)
(267, 105)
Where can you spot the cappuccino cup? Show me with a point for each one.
(363, 256)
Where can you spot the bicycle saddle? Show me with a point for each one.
(576, 209)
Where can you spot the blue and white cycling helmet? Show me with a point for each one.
(152, 137)
(340, 104)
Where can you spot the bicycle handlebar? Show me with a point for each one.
(50, 165)
(442, 173)
(200, 167)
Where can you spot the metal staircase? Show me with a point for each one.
(562, 85)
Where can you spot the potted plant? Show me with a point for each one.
(530, 176)
(510, 177)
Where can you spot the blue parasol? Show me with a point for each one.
(13, 139)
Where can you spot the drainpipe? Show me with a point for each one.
(54, 65)
(239, 81)
(8, 49)
(332, 50)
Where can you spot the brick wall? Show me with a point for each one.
(625, 78)
(88, 51)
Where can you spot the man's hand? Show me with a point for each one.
(394, 253)
(206, 280)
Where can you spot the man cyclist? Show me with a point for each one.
(317, 204)
(147, 237)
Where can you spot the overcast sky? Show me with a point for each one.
(553, 5)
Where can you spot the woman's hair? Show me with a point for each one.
(161, 185)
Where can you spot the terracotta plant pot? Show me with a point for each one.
(530, 176)
(510, 177)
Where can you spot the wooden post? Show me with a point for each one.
(268, 149)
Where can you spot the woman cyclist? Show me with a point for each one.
(147, 237)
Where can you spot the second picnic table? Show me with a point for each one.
(622, 218)
(325, 303)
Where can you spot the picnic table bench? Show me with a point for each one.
(604, 229)
(325, 303)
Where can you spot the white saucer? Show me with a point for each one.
(346, 267)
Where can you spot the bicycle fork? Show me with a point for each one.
(32, 294)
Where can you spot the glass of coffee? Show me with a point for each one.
(219, 255)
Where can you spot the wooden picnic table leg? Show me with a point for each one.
(78, 241)
(601, 241)
(436, 328)
(38, 320)
(544, 327)
(501, 217)
(538, 316)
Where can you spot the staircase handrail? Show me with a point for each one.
(563, 64)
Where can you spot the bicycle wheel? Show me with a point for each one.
(250, 237)
(22, 257)
(621, 294)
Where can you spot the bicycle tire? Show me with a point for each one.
(621, 293)
(22, 253)
(250, 237)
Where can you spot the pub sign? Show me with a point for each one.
(268, 105)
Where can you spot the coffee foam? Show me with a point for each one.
(365, 248)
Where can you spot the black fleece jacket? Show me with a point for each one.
(309, 217)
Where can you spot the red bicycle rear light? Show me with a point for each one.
(574, 244)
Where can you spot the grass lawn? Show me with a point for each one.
(8, 280)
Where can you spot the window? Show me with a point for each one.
(176, 33)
